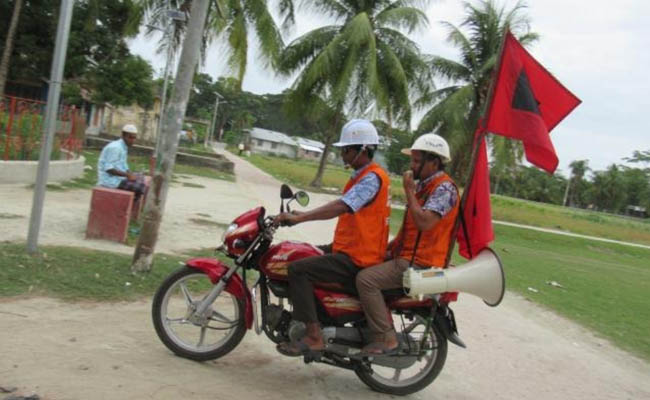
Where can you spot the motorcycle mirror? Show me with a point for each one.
(302, 198)
(286, 192)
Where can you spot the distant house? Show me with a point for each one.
(146, 120)
(636, 211)
(266, 141)
(310, 149)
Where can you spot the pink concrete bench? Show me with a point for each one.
(110, 213)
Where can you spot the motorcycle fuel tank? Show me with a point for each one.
(275, 262)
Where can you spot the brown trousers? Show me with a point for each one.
(370, 282)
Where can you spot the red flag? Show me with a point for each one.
(475, 231)
(527, 104)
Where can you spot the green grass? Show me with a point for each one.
(606, 286)
(79, 274)
(396, 219)
(571, 220)
(193, 185)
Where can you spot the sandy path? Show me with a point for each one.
(110, 351)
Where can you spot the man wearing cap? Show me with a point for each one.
(423, 239)
(360, 238)
(112, 167)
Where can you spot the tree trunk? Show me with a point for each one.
(566, 191)
(172, 124)
(318, 179)
(9, 46)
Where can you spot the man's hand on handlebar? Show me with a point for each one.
(286, 219)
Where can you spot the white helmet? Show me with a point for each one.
(432, 143)
(130, 128)
(358, 132)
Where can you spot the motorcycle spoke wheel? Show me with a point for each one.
(404, 381)
(199, 337)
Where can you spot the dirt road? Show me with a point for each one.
(110, 351)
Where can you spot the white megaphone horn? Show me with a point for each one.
(482, 276)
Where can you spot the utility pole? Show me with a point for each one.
(172, 123)
(214, 120)
(49, 127)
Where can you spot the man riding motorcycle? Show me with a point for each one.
(423, 240)
(360, 237)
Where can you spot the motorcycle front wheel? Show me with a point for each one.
(204, 337)
(429, 360)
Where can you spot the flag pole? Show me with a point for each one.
(476, 144)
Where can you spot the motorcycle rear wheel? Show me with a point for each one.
(422, 373)
(196, 338)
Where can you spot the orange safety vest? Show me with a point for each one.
(363, 235)
(434, 243)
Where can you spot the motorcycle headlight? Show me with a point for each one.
(227, 232)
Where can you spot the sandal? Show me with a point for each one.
(296, 349)
(378, 349)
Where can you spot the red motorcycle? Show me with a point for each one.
(202, 310)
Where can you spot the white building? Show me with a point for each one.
(266, 141)
(308, 148)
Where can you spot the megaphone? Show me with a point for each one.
(482, 276)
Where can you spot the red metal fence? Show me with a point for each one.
(21, 130)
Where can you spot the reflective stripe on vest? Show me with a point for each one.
(434, 243)
(363, 235)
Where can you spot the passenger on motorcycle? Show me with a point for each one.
(423, 239)
(360, 238)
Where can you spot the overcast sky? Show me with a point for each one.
(598, 49)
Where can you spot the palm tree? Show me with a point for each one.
(230, 20)
(362, 61)
(9, 45)
(607, 190)
(578, 170)
(457, 108)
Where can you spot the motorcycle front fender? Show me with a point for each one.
(215, 269)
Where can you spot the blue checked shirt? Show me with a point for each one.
(442, 199)
(363, 191)
(113, 156)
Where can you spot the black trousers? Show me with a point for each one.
(336, 267)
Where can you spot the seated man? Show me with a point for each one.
(423, 240)
(113, 169)
(360, 237)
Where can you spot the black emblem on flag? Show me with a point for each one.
(524, 99)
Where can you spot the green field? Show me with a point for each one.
(571, 219)
(606, 286)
